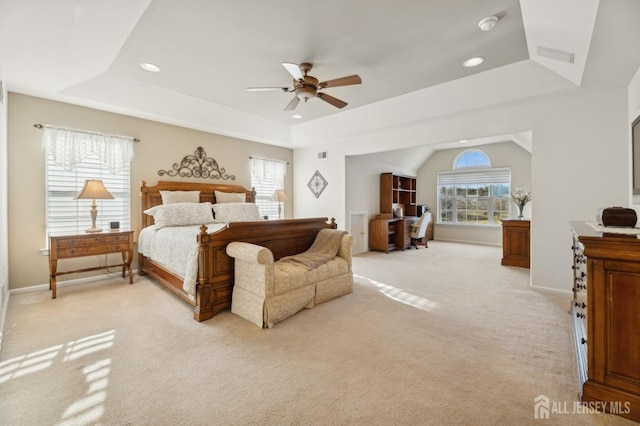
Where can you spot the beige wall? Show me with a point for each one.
(161, 146)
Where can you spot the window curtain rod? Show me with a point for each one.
(267, 159)
(42, 126)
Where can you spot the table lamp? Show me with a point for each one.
(280, 196)
(93, 189)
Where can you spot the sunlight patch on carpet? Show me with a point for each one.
(399, 295)
(27, 364)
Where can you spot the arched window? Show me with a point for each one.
(474, 193)
(471, 158)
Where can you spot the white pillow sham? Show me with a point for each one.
(230, 197)
(236, 212)
(171, 197)
(181, 214)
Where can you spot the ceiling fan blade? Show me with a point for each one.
(343, 81)
(293, 104)
(266, 89)
(294, 70)
(333, 101)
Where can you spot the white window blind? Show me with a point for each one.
(267, 176)
(73, 157)
(486, 176)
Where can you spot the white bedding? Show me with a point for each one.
(176, 248)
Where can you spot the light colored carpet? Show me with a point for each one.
(443, 335)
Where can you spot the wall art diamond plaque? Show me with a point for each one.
(317, 184)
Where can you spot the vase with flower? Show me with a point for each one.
(520, 198)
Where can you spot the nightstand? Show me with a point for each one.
(80, 245)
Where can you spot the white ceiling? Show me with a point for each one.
(210, 51)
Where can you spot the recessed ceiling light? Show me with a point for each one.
(463, 141)
(473, 62)
(149, 67)
(296, 116)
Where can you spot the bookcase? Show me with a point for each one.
(398, 189)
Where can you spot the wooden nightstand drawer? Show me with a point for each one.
(91, 240)
(91, 250)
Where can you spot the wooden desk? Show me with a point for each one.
(81, 245)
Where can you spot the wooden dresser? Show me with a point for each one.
(516, 243)
(605, 314)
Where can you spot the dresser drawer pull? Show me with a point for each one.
(583, 340)
(579, 315)
(580, 305)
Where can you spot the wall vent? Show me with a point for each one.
(556, 55)
(322, 155)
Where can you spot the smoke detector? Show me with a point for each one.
(488, 23)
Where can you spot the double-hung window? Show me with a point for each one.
(72, 158)
(267, 176)
(474, 193)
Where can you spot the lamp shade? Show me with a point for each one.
(280, 196)
(93, 189)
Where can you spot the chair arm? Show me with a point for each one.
(345, 248)
(253, 268)
(250, 252)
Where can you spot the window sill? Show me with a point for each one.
(464, 225)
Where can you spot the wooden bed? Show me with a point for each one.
(215, 269)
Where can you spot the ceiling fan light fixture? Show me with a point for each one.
(296, 116)
(488, 23)
(473, 62)
(304, 93)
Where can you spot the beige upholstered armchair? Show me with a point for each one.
(418, 229)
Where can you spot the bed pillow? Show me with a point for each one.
(181, 214)
(230, 197)
(236, 212)
(171, 197)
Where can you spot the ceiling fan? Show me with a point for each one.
(306, 87)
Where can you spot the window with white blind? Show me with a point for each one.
(66, 215)
(267, 176)
(472, 195)
(74, 156)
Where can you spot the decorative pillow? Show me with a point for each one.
(236, 212)
(181, 214)
(171, 197)
(230, 197)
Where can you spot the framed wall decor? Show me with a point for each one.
(317, 184)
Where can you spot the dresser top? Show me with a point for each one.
(593, 230)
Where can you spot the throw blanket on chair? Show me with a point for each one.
(324, 248)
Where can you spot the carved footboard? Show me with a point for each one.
(216, 268)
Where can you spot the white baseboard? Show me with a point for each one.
(478, 243)
(41, 287)
(3, 317)
(556, 291)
